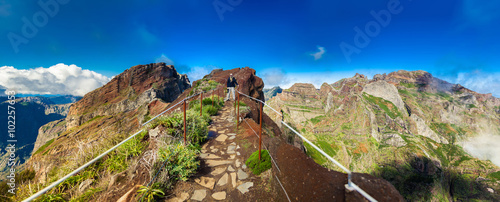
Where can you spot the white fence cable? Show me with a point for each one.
(350, 185)
(282, 188)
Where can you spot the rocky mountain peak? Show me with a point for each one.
(136, 86)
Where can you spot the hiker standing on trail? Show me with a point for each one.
(231, 83)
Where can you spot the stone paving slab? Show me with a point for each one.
(199, 195)
(214, 163)
(206, 182)
(243, 188)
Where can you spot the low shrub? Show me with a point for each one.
(197, 126)
(212, 111)
(181, 160)
(149, 193)
(258, 166)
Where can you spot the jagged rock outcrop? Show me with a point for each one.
(394, 140)
(425, 131)
(329, 102)
(62, 109)
(134, 87)
(386, 91)
(48, 132)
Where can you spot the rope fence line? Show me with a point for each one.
(350, 185)
(283, 188)
(54, 184)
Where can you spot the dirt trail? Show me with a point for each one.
(223, 174)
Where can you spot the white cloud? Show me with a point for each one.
(57, 79)
(164, 59)
(198, 72)
(274, 77)
(319, 54)
(484, 147)
(481, 82)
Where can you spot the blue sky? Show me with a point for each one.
(285, 41)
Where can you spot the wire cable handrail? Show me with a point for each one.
(39, 193)
(350, 185)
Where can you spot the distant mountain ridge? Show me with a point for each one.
(270, 93)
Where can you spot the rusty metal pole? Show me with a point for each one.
(260, 131)
(201, 103)
(184, 109)
(238, 113)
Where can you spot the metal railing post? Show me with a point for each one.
(184, 109)
(238, 113)
(260, 131)
(213, 98)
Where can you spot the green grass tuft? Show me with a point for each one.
(258, 166)
(317, 119)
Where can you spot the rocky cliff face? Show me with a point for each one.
(399, 118)
(386, 91)
(249, 83)
(136, 86)
(48, 132)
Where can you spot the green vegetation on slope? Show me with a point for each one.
(387, 106)
(42, 148)
(317, 119)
